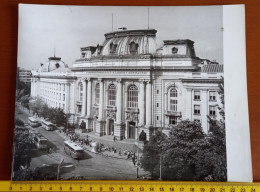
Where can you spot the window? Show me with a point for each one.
(113, 48)
(157, 104)
(212, 110)
(80, 92)
(97, 92)
(196, 95)
(174, 50)
(112, 95)
(79, 108)
(173, 102)
(133, 48)
(212, 95)
(63, 98)
(157, 117)
(63, 87)
(83, 55)
(157, 91)
(132, 99)
(197, 109)
(173, 120)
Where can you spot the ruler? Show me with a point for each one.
(127, 186)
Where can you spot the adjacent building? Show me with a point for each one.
(132, 80)
(24, 75)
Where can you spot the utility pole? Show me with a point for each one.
(160, 167)
(137, 176)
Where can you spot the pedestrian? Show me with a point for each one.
(114, 138)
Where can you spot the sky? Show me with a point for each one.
(45, 28)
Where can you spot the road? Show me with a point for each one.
(92, 166)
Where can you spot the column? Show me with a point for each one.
(100, 126)
(204, 110)
(141, 104)
(101, 100)
(67, 98)
(84, 103)
(119, 125)
(89, 98)
(89, 126)
(148, 104)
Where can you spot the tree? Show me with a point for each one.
(18, 122)
(211, 158)
(22, 148)
(151, 152)
(22, 89)
(60, 117)
(44, 111)
(36, 104)
(25, 101)
(179, 150)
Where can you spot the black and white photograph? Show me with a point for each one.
(121, 93)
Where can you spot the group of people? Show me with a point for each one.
(99, 146)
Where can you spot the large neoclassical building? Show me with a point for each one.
(132, 80)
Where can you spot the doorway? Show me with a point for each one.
(111, 127)
(131, 130)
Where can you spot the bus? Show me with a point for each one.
(33, 122)
(40, 141)
(73, 150)
(48, 126)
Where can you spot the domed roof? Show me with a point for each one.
(52, 64)
(127, 42)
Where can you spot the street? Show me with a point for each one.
(92, 166)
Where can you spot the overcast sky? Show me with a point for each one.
(67, 28)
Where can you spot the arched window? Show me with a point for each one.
(80, 92)
(133, 48)
(113, 48)
(132, 99)
(173, 99)
(97, 92)
(174, 50)
(112, 95)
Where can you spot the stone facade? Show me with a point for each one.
(133, 80)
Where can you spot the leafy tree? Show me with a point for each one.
(51, 115)
(22, 146)
(44, 111)
(36, 104)
(25, 101)
(151, 152)
(211, 158)
(18, 122)
(178, 151)
(22, 89)
(60, 117)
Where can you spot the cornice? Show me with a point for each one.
(201, 80)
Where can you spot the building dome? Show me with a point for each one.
(52, 64)
(131, 42)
